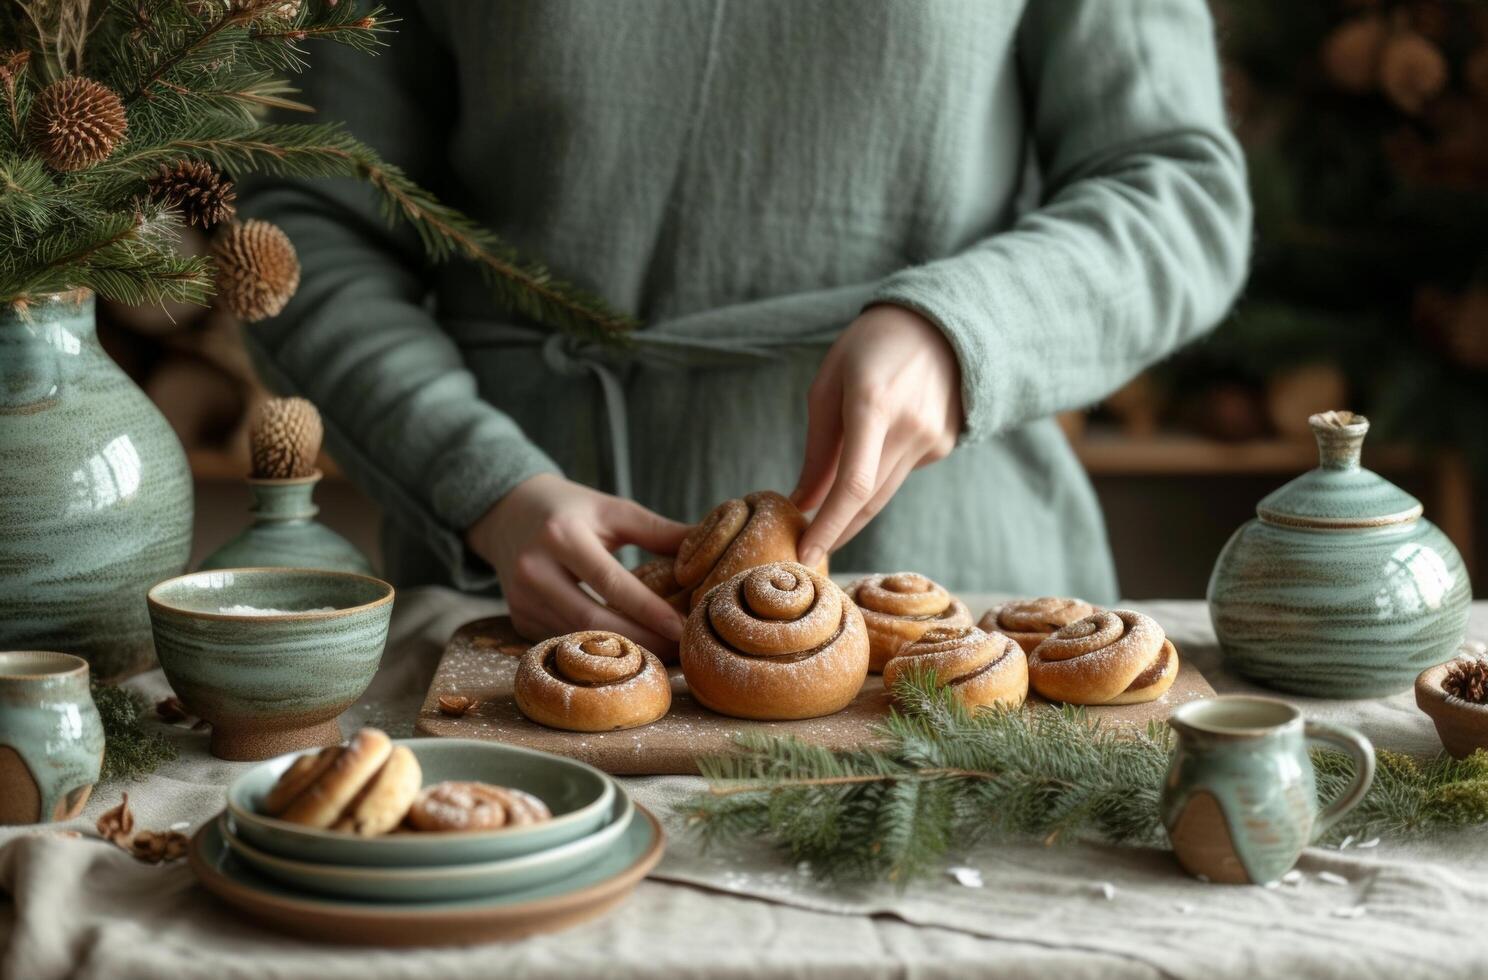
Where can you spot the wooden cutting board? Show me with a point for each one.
(480, 662)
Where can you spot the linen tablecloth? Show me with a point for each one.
(80, 907)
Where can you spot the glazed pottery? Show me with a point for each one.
(95, 493)
(580, 798)
(554, 905)
(285, 534)
(51, 739)
(270, 682)
(1339, 588)
(1240, 800)
(1461, 725)
(440, 882)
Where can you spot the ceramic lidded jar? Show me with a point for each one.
(51, 738)
(1339, 588)
(285, 533)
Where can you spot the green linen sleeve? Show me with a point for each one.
(402, 413)
(1142, 238)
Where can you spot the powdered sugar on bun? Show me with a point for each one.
(592, 681)
(1114, 657)
(902, 607)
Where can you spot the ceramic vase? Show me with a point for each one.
(95, 492)
(285, 533)
(1240, 799)
(51, 738)
(1339, 588)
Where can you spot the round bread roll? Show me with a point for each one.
(592, 681)
(327, 797)
(902, 607)
(775, 642)
(384, 800)
(459, 806)
(980, 668)
(738, 535)
(1113, 657)
(1032, 621)
(297, 778)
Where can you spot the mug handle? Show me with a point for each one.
(1357, 747)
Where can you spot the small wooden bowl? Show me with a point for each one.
(1462, 725)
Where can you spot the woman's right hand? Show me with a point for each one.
(549, 534)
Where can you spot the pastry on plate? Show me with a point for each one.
(902, 607)
(1031, 621)
(776, 642)
(1113, 657)
(364, 787)
(453, 806)
(592, 681)
(980, 668)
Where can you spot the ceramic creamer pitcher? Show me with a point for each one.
(51, 738)
(1240, 800)
(1339, 588)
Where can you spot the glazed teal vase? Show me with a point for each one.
(285, 533)
(95, 492)
(51, 738)
(1240, 798)
(1339, 588)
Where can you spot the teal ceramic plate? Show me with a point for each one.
(589, 892)
(580, 797)
(439, 882)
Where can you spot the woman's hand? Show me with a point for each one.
(548, 534)
(887, 399)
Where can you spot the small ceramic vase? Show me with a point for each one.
(1339, 588)
(1240, 800)
(51, 739)
(285, 534)
(95, 492)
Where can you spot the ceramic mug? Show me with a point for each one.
(1240, 799)
(51, 738)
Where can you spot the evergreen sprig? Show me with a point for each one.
(130, 750)
(197, 77)
(937, 778)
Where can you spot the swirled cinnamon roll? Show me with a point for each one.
(737, 535)
(775, 642)
(592, 681)
(1031, 621)
(1112, 657)
(901, 607)
(980, 668)
(660, 576)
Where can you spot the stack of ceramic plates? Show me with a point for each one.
(429, 888)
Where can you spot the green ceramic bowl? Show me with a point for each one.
(439, 883)
(270, 656)
(579, 796)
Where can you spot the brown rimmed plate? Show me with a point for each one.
(549, 907)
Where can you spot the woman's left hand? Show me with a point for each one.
(887, 399)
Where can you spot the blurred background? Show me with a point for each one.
(1366, 127)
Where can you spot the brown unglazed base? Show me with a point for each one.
(254, 744)
(20, 797)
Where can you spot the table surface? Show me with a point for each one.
(79, 907)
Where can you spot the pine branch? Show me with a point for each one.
(937, 777)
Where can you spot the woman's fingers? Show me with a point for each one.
(865, 430)
(588, 560)
(630, 523)
(823, 437)
(552, 602)
(888, 486)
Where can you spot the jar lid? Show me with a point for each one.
(1339, 493)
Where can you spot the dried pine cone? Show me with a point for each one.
(285, 439)
(203, 196)
(257, 269)
(1412, 71)
(1468, 680)
(75, 122)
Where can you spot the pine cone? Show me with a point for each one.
(203, 196)
(1351, 54)
(285, 439)
(75, 123)
(1412, 71)
(257, 269)
(1468, 680)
